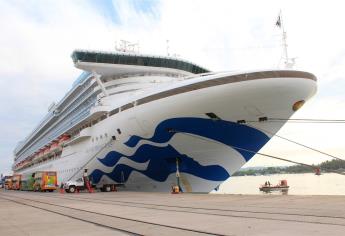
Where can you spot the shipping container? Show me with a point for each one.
(45, 181)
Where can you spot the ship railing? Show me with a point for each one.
(64, 126)
(44, 120)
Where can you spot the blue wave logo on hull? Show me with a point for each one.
(229, 133)
(161, 163)
(162, 160)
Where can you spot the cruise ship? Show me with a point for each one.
(149, 122)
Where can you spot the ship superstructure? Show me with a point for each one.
(136, 119)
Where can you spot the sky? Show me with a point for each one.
(38, 37)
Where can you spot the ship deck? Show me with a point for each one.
(135, 213)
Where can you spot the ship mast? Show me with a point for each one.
(288, 62)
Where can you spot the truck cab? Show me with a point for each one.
(73, 185)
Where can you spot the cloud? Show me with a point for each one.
(35, 65)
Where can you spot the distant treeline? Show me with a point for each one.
(327, 166)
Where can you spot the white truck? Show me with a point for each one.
(72, 186)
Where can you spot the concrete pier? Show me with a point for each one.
(133, 213)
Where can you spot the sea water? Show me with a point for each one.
(300, 184)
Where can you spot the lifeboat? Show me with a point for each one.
(46, 151)
(40, 153)
(63, 139)
(55, 147)
(34, 156)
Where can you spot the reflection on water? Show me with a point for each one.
(300, 184)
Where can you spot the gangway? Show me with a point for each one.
(92, 157)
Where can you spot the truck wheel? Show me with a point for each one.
(107, 188)
(71, 189)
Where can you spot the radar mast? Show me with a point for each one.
(289, 63)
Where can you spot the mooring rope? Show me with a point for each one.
(297, 143)
(254, 152)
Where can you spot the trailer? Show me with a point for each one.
(16, 182)
(45, 181)
(27, 183)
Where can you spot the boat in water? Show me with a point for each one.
(138, 119)
(281, 186)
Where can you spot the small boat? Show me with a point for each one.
(281, 186)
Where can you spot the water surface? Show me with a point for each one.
(300, 184)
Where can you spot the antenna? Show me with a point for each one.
(127, 46)
(288, 62)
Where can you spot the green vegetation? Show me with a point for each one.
(327, 166)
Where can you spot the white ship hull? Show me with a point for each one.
(150, 137)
